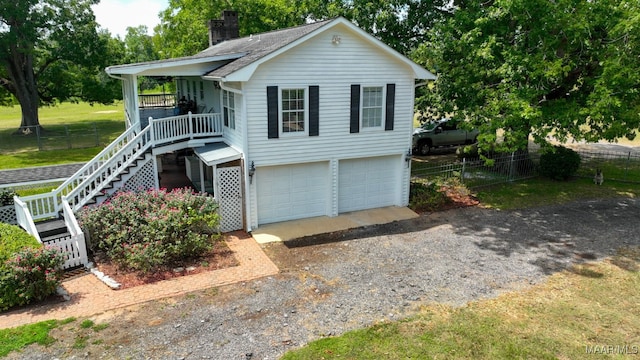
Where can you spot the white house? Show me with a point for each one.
(314, 120)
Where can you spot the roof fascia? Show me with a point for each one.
(156, 67)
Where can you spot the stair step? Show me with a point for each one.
(54, 237)
(50, 228)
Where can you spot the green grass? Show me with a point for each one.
(540, 191)
(574, 311)
(38, 333)
(22, 336)
(80, 121)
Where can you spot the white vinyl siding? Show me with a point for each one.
(333, 68)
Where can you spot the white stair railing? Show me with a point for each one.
(93, 184)
(47, 205)
(91, 179)
(24, 218)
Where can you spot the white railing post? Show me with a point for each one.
(152, 136)
(190, 125)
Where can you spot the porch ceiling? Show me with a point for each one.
(217, 153)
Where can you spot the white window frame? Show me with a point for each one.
(381, 107)
(231, 110)
(305, 110)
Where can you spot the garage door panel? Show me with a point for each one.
(292, 191)
(368, 183)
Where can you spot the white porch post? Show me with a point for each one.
(157, 169)
(216, 190)
(130, 97)
(202, 185)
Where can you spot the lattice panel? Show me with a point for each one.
(230, 198)
(8, 214)
(143, 179)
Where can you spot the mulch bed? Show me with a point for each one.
(220, 257)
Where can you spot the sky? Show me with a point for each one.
(117, 15)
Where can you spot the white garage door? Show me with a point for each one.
(292, 191)
(369, 183)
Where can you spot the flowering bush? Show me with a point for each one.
(31, 274)
(147, 230)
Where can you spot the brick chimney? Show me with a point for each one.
(224, 29)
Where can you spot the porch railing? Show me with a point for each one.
(156, 100)
(183, 127)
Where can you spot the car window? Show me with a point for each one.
(449, 125)
(430, 125)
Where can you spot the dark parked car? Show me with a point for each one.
(439, 133)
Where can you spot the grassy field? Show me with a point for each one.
(71, 132)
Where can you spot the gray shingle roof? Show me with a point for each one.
(256, 47)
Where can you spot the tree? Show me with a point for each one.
(41, 42)
(183, 26)
(401, 24)
(139, 45)
(537, 68)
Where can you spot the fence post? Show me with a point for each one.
(464, 164)
(511, 166)
(190, 126)
(626, 168)
(66, 132)
(38, 137)
(95, 131)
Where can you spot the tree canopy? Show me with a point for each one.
(565, 68)
(50, 50)
(401, 24)
(183, 25)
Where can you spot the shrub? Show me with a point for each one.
(14, 239)
(148, 230)
(31, 274)
(425, 197)
(559, 163)
(6, 197)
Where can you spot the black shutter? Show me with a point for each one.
(355, 109)
(390, 106)
(314, 110)
(272, 112)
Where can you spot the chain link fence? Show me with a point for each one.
(53, 137)
(615, 165)
(477, 173)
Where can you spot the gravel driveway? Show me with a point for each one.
(337, 282)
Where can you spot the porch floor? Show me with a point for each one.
(289, 230)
